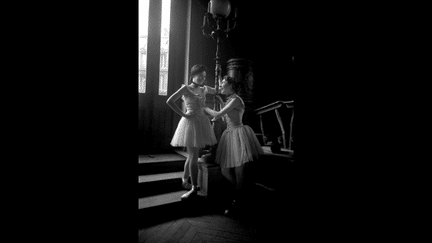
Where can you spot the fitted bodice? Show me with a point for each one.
(235, 116)
(192, 100)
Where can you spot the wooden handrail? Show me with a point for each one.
(275, 106)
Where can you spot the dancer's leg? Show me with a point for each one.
(239, 177)
(186, 174)
(193, 165)
(238, 189)
(193, 171)
(228, 173)
(229, 193)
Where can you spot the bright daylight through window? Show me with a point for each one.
(143, 35)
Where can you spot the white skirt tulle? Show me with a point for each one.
(237, 146)
(194, 132)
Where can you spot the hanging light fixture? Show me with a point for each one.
(219, 8)
(217, 24)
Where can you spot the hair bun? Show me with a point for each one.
(197, 68)
(237, 85)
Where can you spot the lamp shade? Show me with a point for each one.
(220, 7)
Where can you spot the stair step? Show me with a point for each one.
(181, 152)
(160, 177)
(154, 158)
(149, 185)
(160, 163)
(160, 200)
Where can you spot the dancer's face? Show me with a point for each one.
(226, 88)
(200, 77)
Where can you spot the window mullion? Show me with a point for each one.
(153, 49)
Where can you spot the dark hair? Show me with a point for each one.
(196, 69)
(236, 85)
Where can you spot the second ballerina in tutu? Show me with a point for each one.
(238, 143)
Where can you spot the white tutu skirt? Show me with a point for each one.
(194, 132)
(237, 146)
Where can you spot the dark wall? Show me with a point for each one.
(264, 35)
(202, 49)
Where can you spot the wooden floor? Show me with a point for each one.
(262, 220)
(208, 228)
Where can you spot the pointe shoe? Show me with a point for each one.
(190, 194)
(227, 211)
(230, 210)
(186, 184)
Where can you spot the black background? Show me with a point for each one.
(79, 120)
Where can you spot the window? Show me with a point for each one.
(143, 16)
(164, 45)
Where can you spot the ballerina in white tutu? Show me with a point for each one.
(194, 129)
(238, 143)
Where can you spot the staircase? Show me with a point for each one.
(160, 180)
(160, 187)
